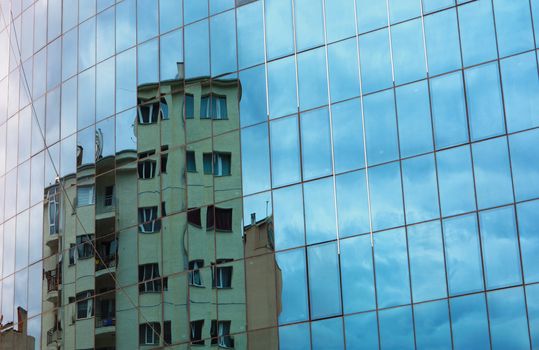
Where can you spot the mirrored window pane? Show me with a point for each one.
(525, 164)
(288, 214)
(285, 149)
(513, 26)
(105, 30)
(312, 79)
(146, 19)
(253, 96)
(375, 61)
(432, 327)
(396, 328)
(532, 301)
(492, 173)
(223, 43)
(386, 196)
(391, 263)
(170, 14)
(420, 189)
(343, 70)
(463, 255)
(441, 35)
(250, 28)
(340, 19)
(528, 227)
(282, 87)
(408, 51)
(309, 23)
(327, 334)
(255, 159)
(352, 203)
(324, 280)
(171, 56)
(319, 211)
(348, 148)
(126, 32)
(477, 25)
(294, 286)
(315, 144)
(357, 274)
(469, 322)
(279, 35)
(197, 50)
(370, 15)
(508, 324)
(368, 339)
(294, 337)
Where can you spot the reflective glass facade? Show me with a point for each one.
(269, 174)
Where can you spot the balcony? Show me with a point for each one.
(54, 337)
(53, 285)
(52, 241)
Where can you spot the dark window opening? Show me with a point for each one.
(219, 218)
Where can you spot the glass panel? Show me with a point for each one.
(223, 43)
(294, 286)
(69, 54)
(255, 159)
(253, 96)
(386, 196)
(324, 281)
(282, 87)
(86, 99)
(126, 83)
(500, 247)
(415, 125)
(455, 181)
(285, 157)
(434, 5)
(492, 173)
(197, 55)
(195, 10)
(462, 254)
(309, 23)
(532, 301)
(315, 144)
(343, 70)
(319, 211)
(171, 54)
(371, 15)
(420, 189)
(375, 61)
(348, 147)
(477, 26)
(295, 337)
(408, 51)
(443, 48)
(396, 328)
(170, 14)
(352, 204)
(312, 79)
(401, 10)
(327, 334)
(427, 262)
(513, 26)
(340, 19)
(125, 24)
(54, 63)
(250, 34)
(147, 19)
(508, 323)
(485, 108)
(288, 214)
(87, 44)
(469, 322)
(104, 89)
(147, 62)
(432, 325)
(520, 84)
(525, 164)
(357, 274)
(217, 6)
(449, 110)
(528, 228)
(367, 339)
(391, 263)
(105, 41)
(381, 127)
(279, 36)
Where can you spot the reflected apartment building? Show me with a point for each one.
(135, 243)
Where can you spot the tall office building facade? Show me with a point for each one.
(269, 174)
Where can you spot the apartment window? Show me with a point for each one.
(217, 163)
(189, 106)
(213, 106)
(164, 159)
(196, 332)
(220, 334)
(54, 211)
(191, 162)
(146, 167)
(163, 111)
(148, 221)
(222, 275)
(72, 254)
(149, 333)
(150, 281)
(195, 279)
(109, 192)
(219, 218)
(85, 247)
(163, 209)
(147, 113)
(193, 217)
(167, 332)
(85, 195)
(85, 304)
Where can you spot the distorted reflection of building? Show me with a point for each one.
(147, 237)
(16, 339)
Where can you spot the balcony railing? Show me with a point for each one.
(107, 261)
(53, 335)
(105, 321)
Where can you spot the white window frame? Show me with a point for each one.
(148, 219)
(195, 274)
(89, 300)
(54, 212)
